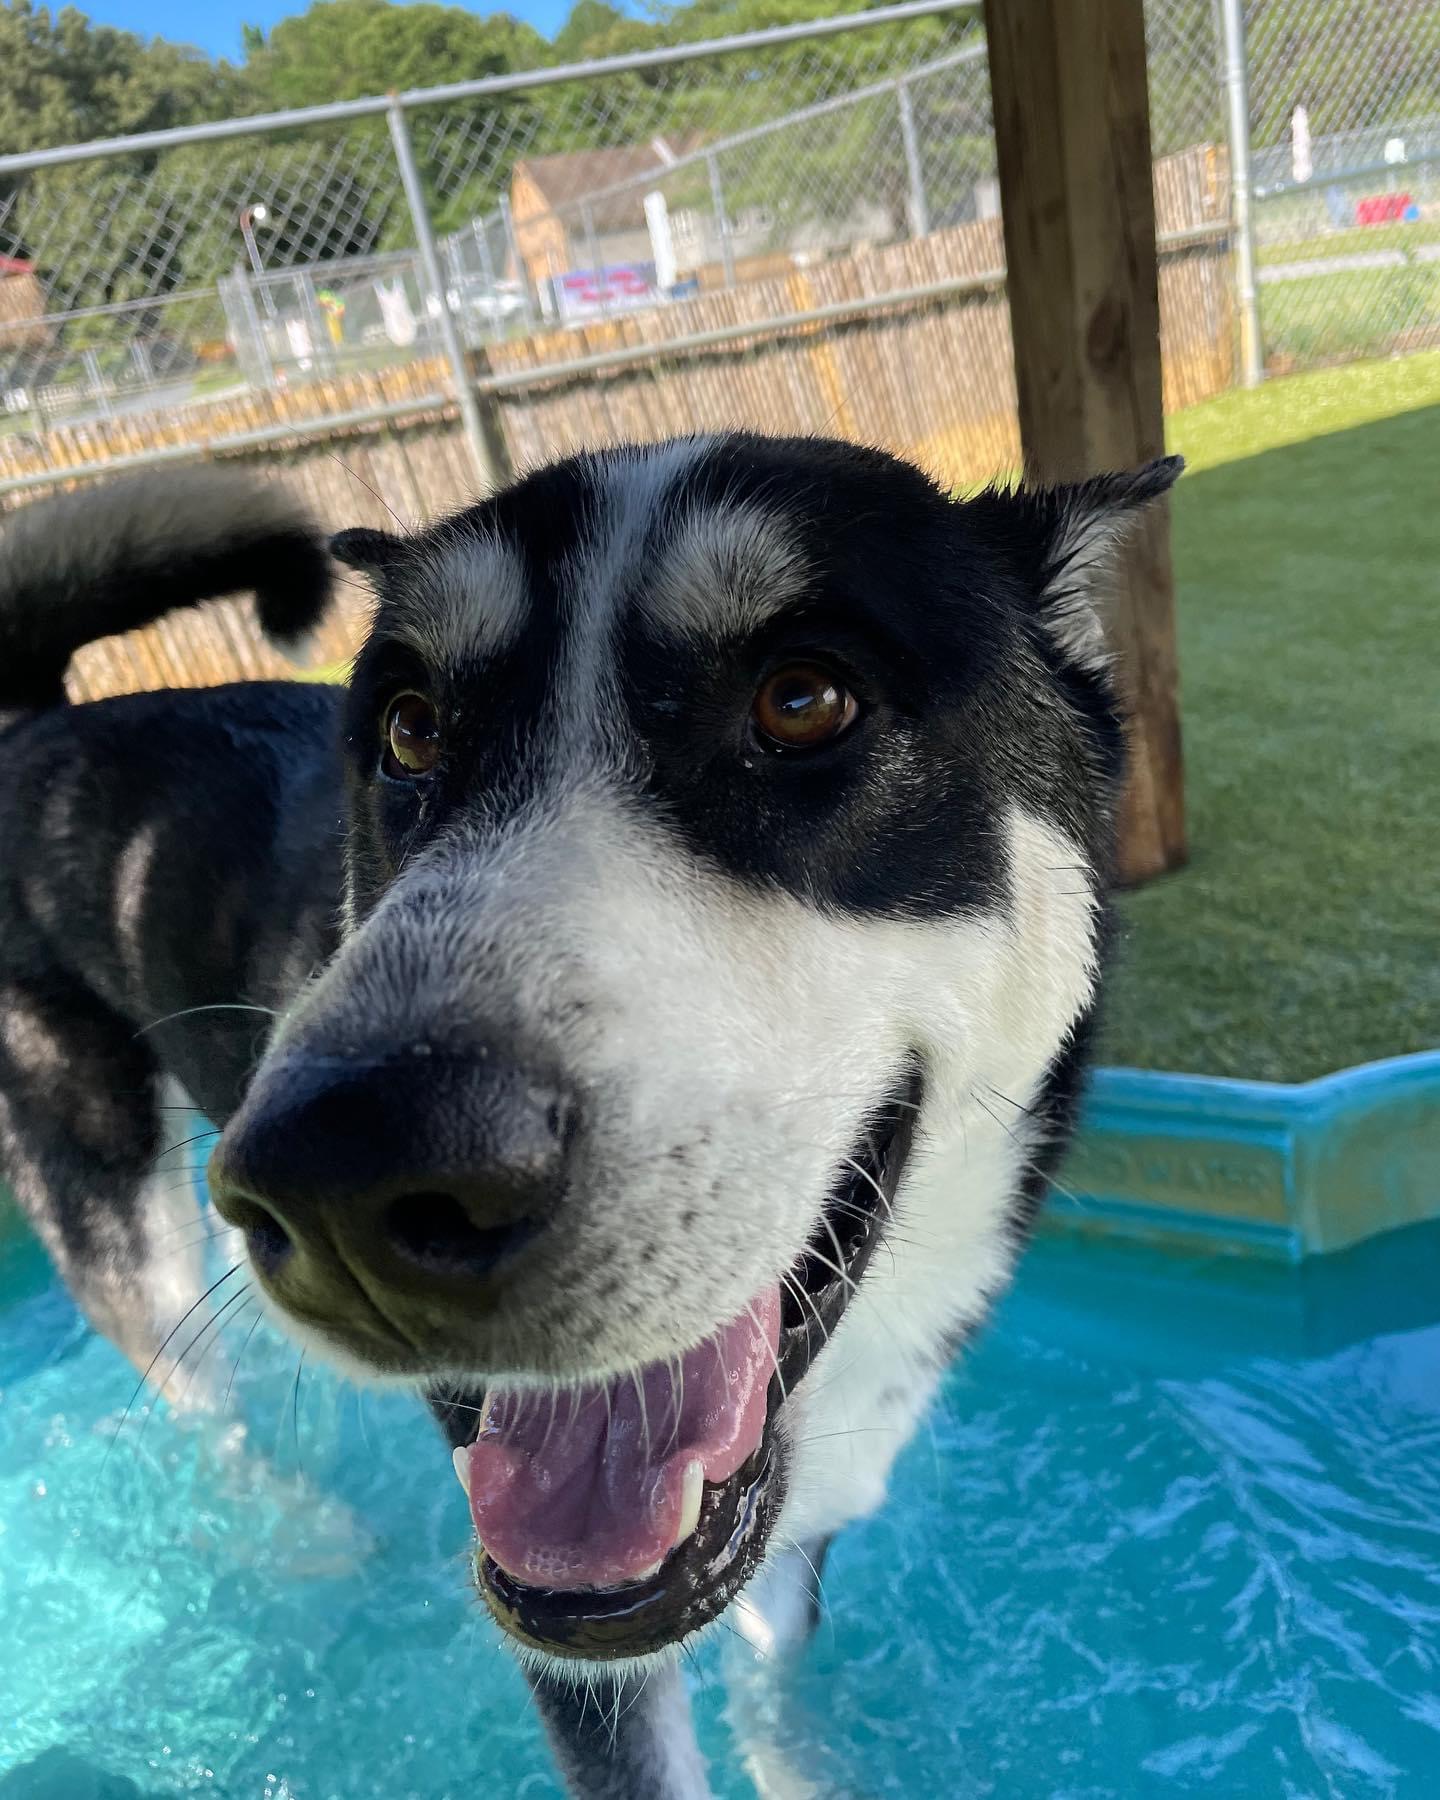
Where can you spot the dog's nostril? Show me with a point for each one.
(435, 1232)
(267, 1240)
(562, 1119)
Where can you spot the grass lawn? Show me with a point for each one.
(1354, 312)
(1305, 933)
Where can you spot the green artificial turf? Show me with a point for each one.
(1305, 933)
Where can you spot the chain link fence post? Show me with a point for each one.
(237, 298)
(722, 228)
(1237, 90)
(592, 256)
(485, 446)
(522, 268)
(914, 168)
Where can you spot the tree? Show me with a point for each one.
(346, 49)
(596, 29)
(350, 49)
(66, 80)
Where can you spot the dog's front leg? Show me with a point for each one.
(630, 1738)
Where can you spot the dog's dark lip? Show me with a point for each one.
(853, 1221)
(700, 1578)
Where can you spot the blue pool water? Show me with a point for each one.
(1176, 1529)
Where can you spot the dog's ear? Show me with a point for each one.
(373, 553)
(1064, 540)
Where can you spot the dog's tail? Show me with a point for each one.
(79, 566)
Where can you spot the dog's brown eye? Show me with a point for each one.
(801, 707)
(412, 737)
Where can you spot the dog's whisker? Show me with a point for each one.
(1029, 1111)
(644, 1410)
(187, 1012)
(1027, 1159)
(640, 1692)
(235, 1366)
(295, 1412)
(341, 463)
(194, 1243)
(821, 1600)
(797, 1289)
(677, 1397)
(774, 1356)
(184, 1144)
(882, 1198)
(163, 1391)
(609, 1409)
(836, 1269)
(150, 1367)
(839, 1250)
(213, 1326)
(550, 1427)
(454, 1401)
(203, 1216)
(864, 1213)
(210, 1131)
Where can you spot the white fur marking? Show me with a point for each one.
(725, 570)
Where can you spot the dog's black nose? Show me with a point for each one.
(414, 1174)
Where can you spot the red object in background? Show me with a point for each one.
(15, 265)
(1382, 209)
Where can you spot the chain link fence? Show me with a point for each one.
(1336, 108)
(190, 271)
(497, 243)
(1343, 108)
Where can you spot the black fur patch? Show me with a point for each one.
(79, 566)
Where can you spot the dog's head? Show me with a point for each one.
(728, 822)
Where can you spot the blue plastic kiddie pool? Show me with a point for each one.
(1175, 1529)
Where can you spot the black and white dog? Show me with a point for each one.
(684, 935)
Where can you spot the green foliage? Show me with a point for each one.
(66, 80)
(63, 80)
(595, 29)
(346, 49)
(1184, 60)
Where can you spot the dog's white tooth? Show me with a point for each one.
(691, 1495)
(653, 1570)
(461, 1459)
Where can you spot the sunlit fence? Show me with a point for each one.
(361, 248)
(799, 228)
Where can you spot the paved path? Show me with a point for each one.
(1355, 259)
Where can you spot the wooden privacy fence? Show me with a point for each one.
(926, 375)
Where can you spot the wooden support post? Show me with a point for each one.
(1072, 131)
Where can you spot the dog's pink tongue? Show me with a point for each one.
(584, 1488)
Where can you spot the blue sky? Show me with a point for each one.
(216, 27)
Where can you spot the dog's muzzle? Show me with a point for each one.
(394, 1203)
